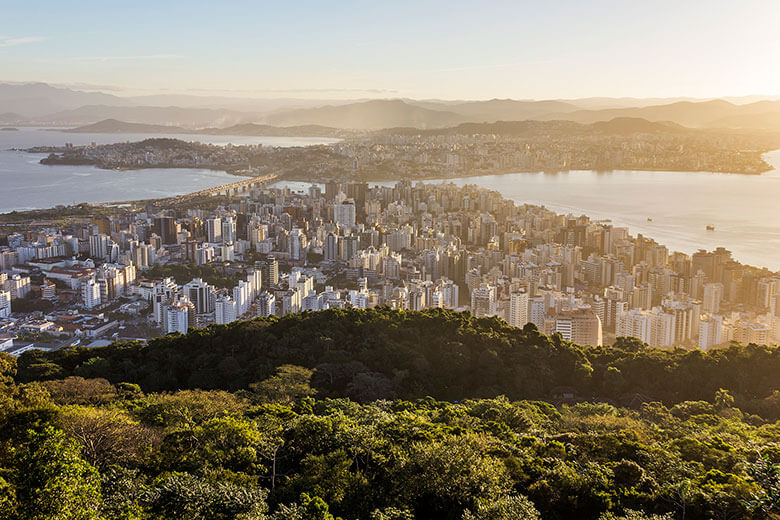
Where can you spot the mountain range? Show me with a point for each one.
(46, 105)
(113, 126)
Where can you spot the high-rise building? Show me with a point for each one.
(518, 308)
(331, 247)
(774, 316)
(91, 293)
(710, 331)
(713, 295)
(18, 285)
(214, 230)
(99, 246)
(634, 323)
(225, 310)
(483, 300)
(266, 304)
(255, 280)
(201, 294)
(227, 252)
(581, 326)
(344, 213)
(5, 304)
(746, 332)
(229, 229)
(349, 245)
(166, 228)
(269, 269)
(686, 318)
(537, 311)
(241, 293)
(177, 318)
(296, 244)
(163, 293)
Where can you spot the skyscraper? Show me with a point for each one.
(344, 213)
(214, 229)
(518, 308)
(483, 301)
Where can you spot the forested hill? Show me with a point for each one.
(80, 441)
(384, 354)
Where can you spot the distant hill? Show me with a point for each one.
(368, 115)
(705, 114)
(763, 121)
(503, 109)
(637, 125)
(11, 118)
(427, 115)
(617, 126)
(114, 126)
(168, 116)
(37, 99)
(253, 129)
(42, 104)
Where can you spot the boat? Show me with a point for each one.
(710, 227)
(649, 219)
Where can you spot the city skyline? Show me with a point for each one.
(439, 50)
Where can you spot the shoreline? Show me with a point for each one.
(296, 178)
(514, 171)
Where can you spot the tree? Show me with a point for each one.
(289, 384)
(77, 390)
(107, 436)
(392, 513)
(767, 476)
(190, 407)
(634, 515)
(442, 478)
(52, 481)
(185, 496)
(512, 507)
(307, 508)
(723, 399)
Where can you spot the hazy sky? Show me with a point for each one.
(449, 49)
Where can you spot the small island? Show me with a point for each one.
(9, 129)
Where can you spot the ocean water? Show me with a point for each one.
(27, 184)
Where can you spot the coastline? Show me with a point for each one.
(513, 171)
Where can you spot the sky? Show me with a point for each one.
(542, 49)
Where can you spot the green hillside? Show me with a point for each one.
(383, 414)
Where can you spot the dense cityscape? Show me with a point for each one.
(149, 271)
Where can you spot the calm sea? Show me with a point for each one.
(26, 184)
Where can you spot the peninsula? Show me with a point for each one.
(468, 149)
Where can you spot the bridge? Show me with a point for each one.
(234, 188)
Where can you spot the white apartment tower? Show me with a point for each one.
(518, 308)
(91, 292)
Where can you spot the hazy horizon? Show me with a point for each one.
(450, 51)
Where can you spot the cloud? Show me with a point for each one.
(128, 58)
(11, 42)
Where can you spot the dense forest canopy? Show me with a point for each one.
(386, 354)
(383, 414)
